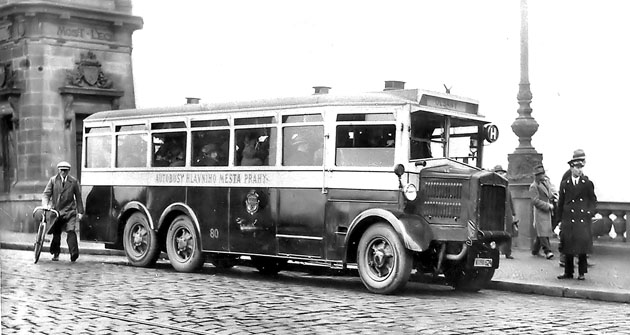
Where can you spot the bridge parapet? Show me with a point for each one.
(611, 221)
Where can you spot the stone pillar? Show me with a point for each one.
(525, 157)
(71, 58)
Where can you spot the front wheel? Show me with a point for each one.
(39, 241)
(183, 245)
(140, 241)
(384, 263)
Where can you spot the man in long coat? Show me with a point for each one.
(576, 208)
(541, 195)
(63, 193)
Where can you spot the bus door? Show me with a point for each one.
(252, 226)
(300, 197)
(359, 175)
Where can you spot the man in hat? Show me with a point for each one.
(541, 195)
(576, 208)
(510, 225)
(209, 156)
(63, 193)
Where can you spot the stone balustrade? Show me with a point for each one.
(611, 221)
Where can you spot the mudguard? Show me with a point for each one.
(413, 230)
(179, 207)
(135, 205)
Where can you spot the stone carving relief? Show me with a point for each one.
(88, 73)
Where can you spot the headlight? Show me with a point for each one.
(410, 192)
(493, 245)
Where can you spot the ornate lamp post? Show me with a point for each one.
(525, 157)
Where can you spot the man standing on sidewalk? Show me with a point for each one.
(576, 208)
(541, 195)
(63, 193)
(506, 247)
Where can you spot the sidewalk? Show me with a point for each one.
(608, 279)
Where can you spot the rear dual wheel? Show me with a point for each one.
(384, 262)
(183, 245)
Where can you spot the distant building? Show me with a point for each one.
(60, 61)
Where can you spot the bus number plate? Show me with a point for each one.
(483, 262)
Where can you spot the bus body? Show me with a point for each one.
(389, 182)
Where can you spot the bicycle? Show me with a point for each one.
(43, 229)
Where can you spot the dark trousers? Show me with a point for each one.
(71, 239)
(506, 247)
(541, 242)
(582, 265)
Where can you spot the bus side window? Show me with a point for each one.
(255, 147)
(210, 147)
(131, 150)
(303, 146)
(365, 145)
(169, 149)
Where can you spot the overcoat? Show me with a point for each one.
(576, 208)
(66, 199)
(541, 194)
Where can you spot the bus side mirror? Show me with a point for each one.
(399, 170)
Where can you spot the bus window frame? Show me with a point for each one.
(186, 130)
(229, 128)
(115, 134)
(252, 115)
(112, 142)
(396, 122)
(293, 124)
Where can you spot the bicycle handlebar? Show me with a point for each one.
(45, 209)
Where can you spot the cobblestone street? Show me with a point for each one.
(103, 295)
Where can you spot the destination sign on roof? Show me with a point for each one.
(450, 104)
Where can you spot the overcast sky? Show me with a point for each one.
(579, 54)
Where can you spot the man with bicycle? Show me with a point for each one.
(63, 193)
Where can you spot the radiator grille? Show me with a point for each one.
(442, 199)
(492, 207)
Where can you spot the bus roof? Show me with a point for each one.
(399, 97)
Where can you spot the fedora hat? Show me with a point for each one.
(539, 169)
(578, 156)
(498, 168)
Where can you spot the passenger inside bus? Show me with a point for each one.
(210, 156)
(170, 153)
(301, 153)
(250, 151)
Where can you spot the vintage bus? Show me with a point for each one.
(384, 184)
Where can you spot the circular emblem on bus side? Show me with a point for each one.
(252, 202)
(491, 132)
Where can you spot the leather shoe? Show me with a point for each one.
(565, 276)
(509, 256)
(55, 257)
(73, 258)
(549, 255)
(580, 277)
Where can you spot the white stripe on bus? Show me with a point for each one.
(368, 180)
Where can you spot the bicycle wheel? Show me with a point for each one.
(39, 240)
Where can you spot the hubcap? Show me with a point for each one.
(381, 258)
(139, 239)
(184, 243)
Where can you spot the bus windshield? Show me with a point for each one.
(441, 136)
